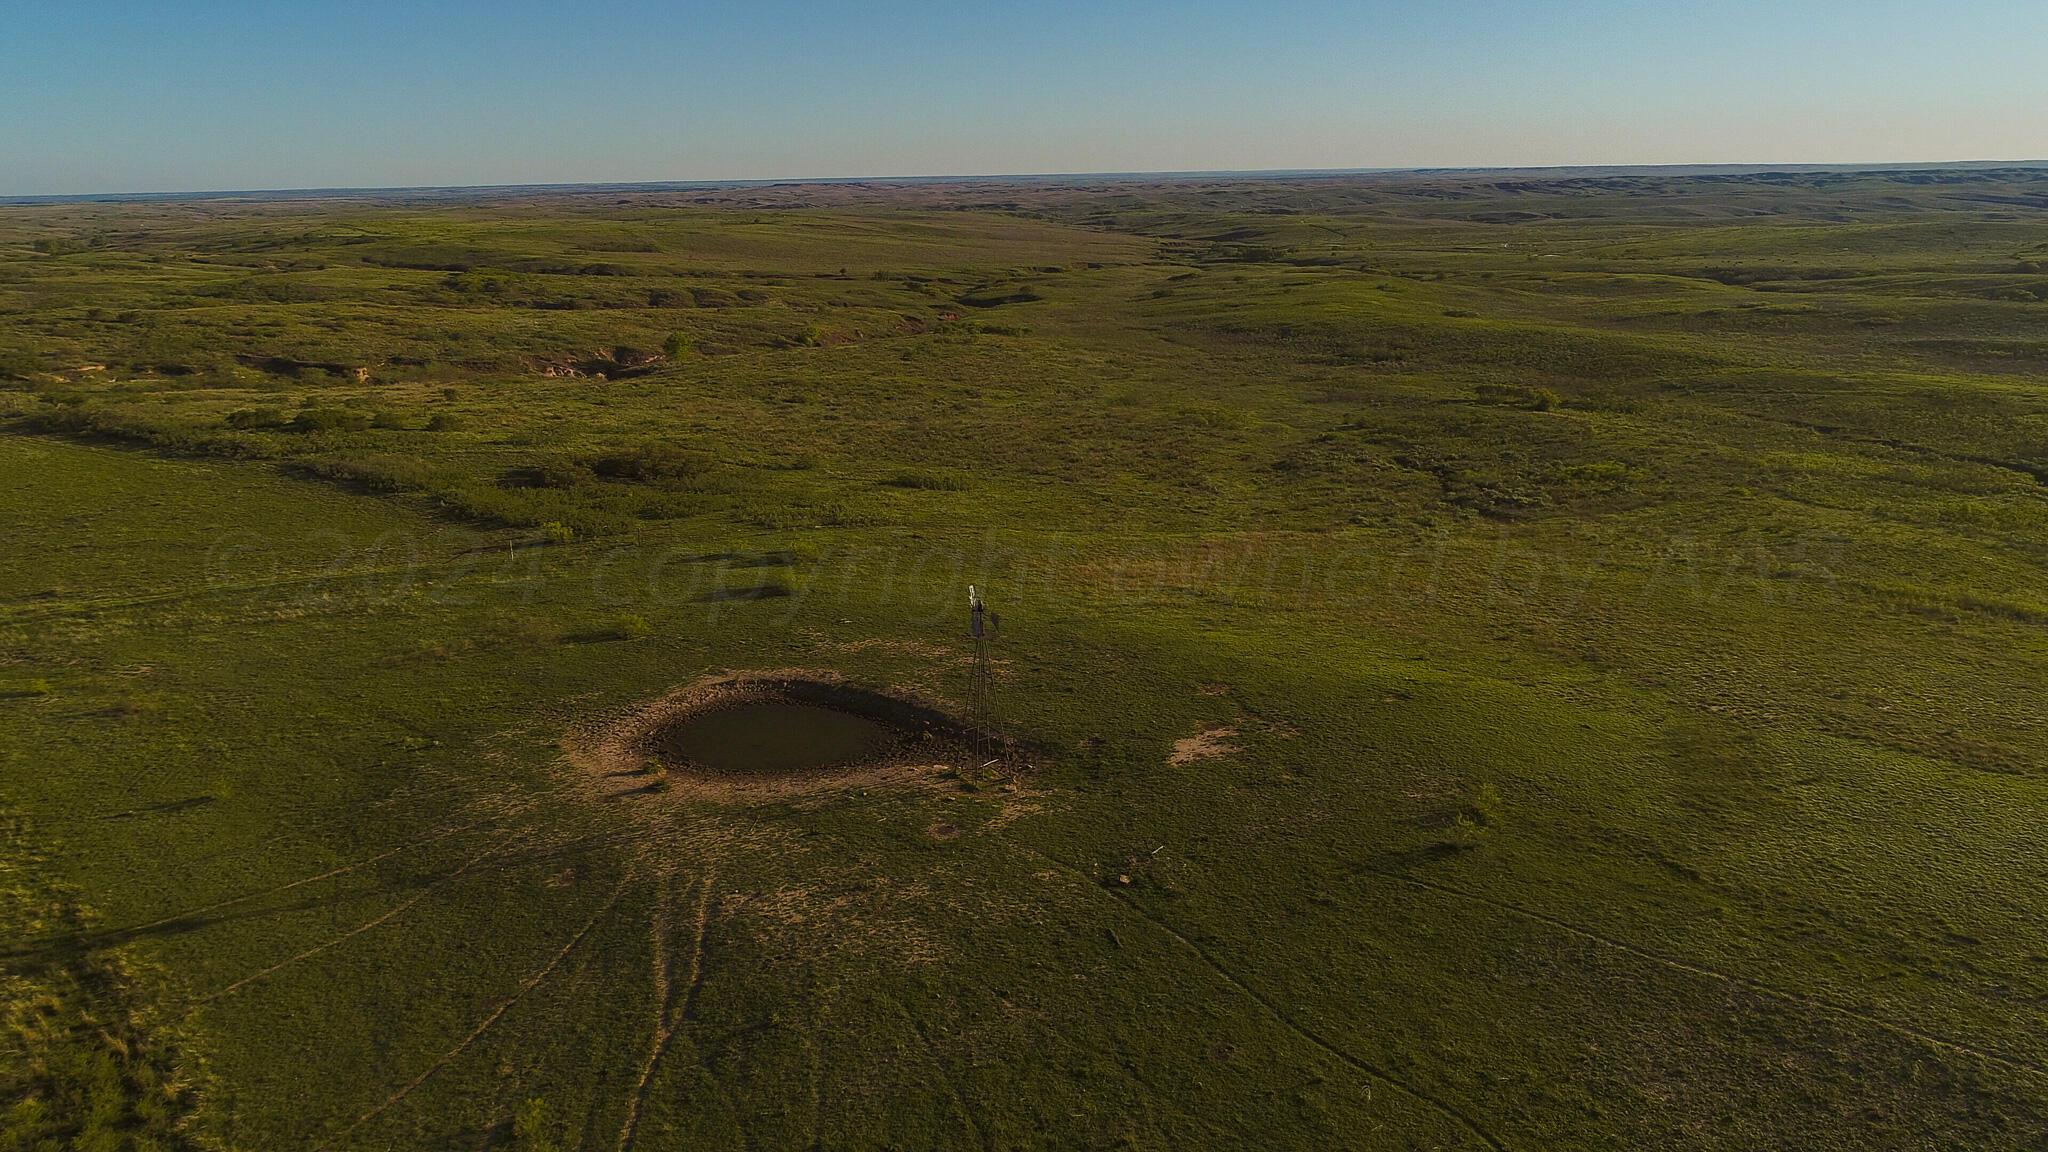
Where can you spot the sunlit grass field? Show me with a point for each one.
(1503, 663)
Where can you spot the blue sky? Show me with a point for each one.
(226, 94)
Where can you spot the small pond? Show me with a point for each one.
(767, 737)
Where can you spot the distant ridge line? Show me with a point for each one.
(1555, 171)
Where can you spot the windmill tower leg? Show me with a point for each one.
(985, 740)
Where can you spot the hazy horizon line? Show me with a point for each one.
(1008, 177)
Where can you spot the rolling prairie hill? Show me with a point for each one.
(1495, 660)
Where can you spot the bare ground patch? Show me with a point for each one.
(1207, 744)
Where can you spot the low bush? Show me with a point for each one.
(560, 472)
(1518, 396)
(134, 426)
(532, 1130)
(560, 516)
(17, 364)
(329, 420)
(381, 472)
(1603, 477)
(654, 462)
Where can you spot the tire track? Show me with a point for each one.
(967, 1119)
(697, 948)
(662, 1030)
(111, 937)
(666, 1021)
(496, 850)
(327, 875)
(2006, 1060)
(1445, 1107)
(526, 986)
(121, 935)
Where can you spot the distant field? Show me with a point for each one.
(1507, 662)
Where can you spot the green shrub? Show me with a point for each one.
(79, 1075)
(1605, 476)
(388, 418)
(141, 426)
(18, 364)
(627, 626)
(562, 516)
(382, 471)
(561, 472)
(1518, 396)
(531, 1130)
(653, 462)
(1485, 804)
(329, 420)
(676, 346)
(769, 513)
(444, 422)
(256, 418)
(1478, 815)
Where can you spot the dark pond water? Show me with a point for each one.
(775, 737)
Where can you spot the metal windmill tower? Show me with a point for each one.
(981, 689)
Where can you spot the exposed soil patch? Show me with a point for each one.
(621, 363)
(1207, 744)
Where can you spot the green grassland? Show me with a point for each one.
(1615, 604)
